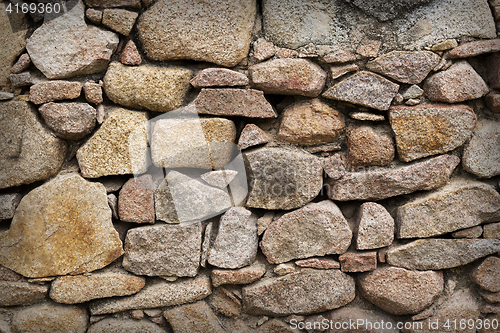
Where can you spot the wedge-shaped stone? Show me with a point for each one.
(115, 325)
(219, 178)
(459, 205)
(436, 254)
(487, 275)
(193, 318)
(62, 227)
(21, 293)
(317, 229)
(313, 291)
(252, 135)
(382, 183)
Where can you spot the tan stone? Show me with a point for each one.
(243, 275)
(93, 92)
(193, 318)
(119, 325)
(318, 263)
(491, 231)
(369, 145)
(21, 293)
(219, 77)
(50, 317)
(487, 274)
(225, 303)
(119, 20)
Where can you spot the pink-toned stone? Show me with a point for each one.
(243, 275)
(339, 56)
(54, 90)
(225, 302)
(476, 48)
(338, 71)
(487, 274)
(369, 48)
(219, 77)
(21, 64)
(353, 262)
(369, 145)
(335, 166)
(93, 92)
(458, 83)
(137, 314)
(318, 263)
(263, 51)
(130, 55)
(493, 102)
(366, 116)
(287, 53)
(288, 77)
(136, 200)
(252, 135)
(193, 318)
(71, 121)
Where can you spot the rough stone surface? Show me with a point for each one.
(335, 166)
(217, 32)
(493, 102)
(159, 293)
(148, 87)
(288, 77)
(384, 183)
(458, 83)
(474, 49)
(310, 122)
(219, 178)
(54, 91)
(490, 297)
(95, 16)
(130, 55)
(113, 325)
(125, 154)
(195, 318)
(366, 89)
(243, 275)
(136, 200)
(264, 50)
(21, 293)
(474, 232)
(71, 121)
(445, 45)
(276, 326)
(493, 70)
(5, 96)
(318, 263)
(163, 250)
(93, 92)
(436, 254)
(249, 103)
(487, 274)
(482, 154)
(119, 20)
(332, 289)
(252, 135)
(282, 178)
(264, 221)
(413, 92)
(339, 55)
(21, 64)
(8, 204)
(164, 203)
(236, 243)
(21, 79)
(358, 262)
(491, 231)
(81, 288)
(314, 230)
(386, 10)
(430, 129)
(405, 66)
(284, 269)
(338, 71)
(74, 216)
(459, 205)
(219, 77)
(350, 315)
(369, 145)
(375, 227)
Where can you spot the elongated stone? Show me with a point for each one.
(21, 293)
(243, 275)
(54, 90)
(71, 121)
(219, 77)
(474, 49)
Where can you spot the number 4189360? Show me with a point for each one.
(32, 8)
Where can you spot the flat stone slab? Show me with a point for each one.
(243, 275)
(54, 90)
(219, 77)
(474, 49)
(14, 293)
(482, 154)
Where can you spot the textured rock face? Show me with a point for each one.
(196, 318)
(154, 88)
(221, 30)
(54, 90)
(282, 178)
(426, 130)
(71, 121)
(29, 150)
(473, 49)
(368, 146)
(375, 227)
(130, 54)
(482, 153)
(333, 289)
(243, 275)
(8, 205)
(21, 293)
(314, 230)
(112, 325)
(400, 291)
(74, 216)
(354, 262)
(251, 135)
(386, 10)
(219, 77)
(487, 275)
(119, 20)
(136, 201)
(459, 205)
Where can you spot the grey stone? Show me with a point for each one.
(474, 232)
(482, 154)
(264, 222)
(21, 79)
(491, 231)
(193, 318)
(219, 178)
(5, 96)
(317, 229)
(219, 77)
(113, 3)
(119, 20)
(369, 145)
(387, 10)
(250, 136)
(115, 325)
(413, 92)
(21, 293)
(95, 16)
(208, 239)
(71, 121)
(8, 204)
(335, 166)
(375, 227)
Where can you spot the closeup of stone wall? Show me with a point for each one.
(250, 166)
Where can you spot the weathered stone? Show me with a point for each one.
(287, 53)
(158, 294)
(493, 102)
(21, 79)
(458, 83)
(252, 135)
(93, 92)
(489, 296)
(318, 263)
(243, 275)
(400, 291)
(125, 154)
(366, 318)
(148, 87)
(430, 129)
(461, 204)
(163, 250)
(71, 121)
(310, 122)
(264, 221)
(119, 20)
(219, 77)
(387, 10)
(130, 55)
(8, 204)
(195, 318)
(9, 275)
(436, 254)
(366, 89)
(288, 77)
(375, 227)
(136, 200)
(81, 288)
(218, 32)
(115, 325)
(208, 238)
(369, 48)
(21, 293)
(474, 232)
(65, 46)
(482, 154)
(219, 178)
(95, 16)
(164, 203)
(50, 317)
(332, 289)
(74, 216)
(284, 269)
(314, 230)
(338, 71)
(369, 145)
(335, 166)
(225, 303)
(405, 66)
(474, 49)
(249, 103)
(263, 51)
(21, 64)
(236, 243)
(339, 55)
(54, 91)
(491, 231)
(282, 178)
(384, 183)
(487, 275)
(358, 261)
(113, 3)
(413, 92)
(445, 45)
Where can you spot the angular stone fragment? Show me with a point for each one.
(164, 203)
(5, 96)
(125, 154)
(358, 262)
(225, 303)
(21, 79)
(74, 216)
(243, 275)
(21, 293)
(335, 166)
(491, 231)
(8, 204)
(163, 250)
(314, 230)
(251, 135)
(193, 318)
(310, 122)
(158, 294)
(81, 288)
(458, 83)
(95, 16)
(219, 178)
(93, 92)
(338, 71)
(482, 154)
(459, 205)
(487, 275)
(369, 145)
(367, 317)
(130, 55)
(318, 263)
(136, 201)
(218, 77)
(366, 89)
(445, 45)
(332, 289)
(263, 51)
(436, 254)
(218, 32)
(282, 178)
(400, 291)
(155, 88)
(275, 325)
(264, 221)
(115, 325)
(50, 317)
(284, 269)
(119, 20)
(413, 92)
(54, 91)
(249, 103)
(375, 227)
(288, 77)
(474, 232)
(236, 243)
(384, 183)
(474, 49)
(21, 64)
(71, 121)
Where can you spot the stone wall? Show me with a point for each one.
(250, 166)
